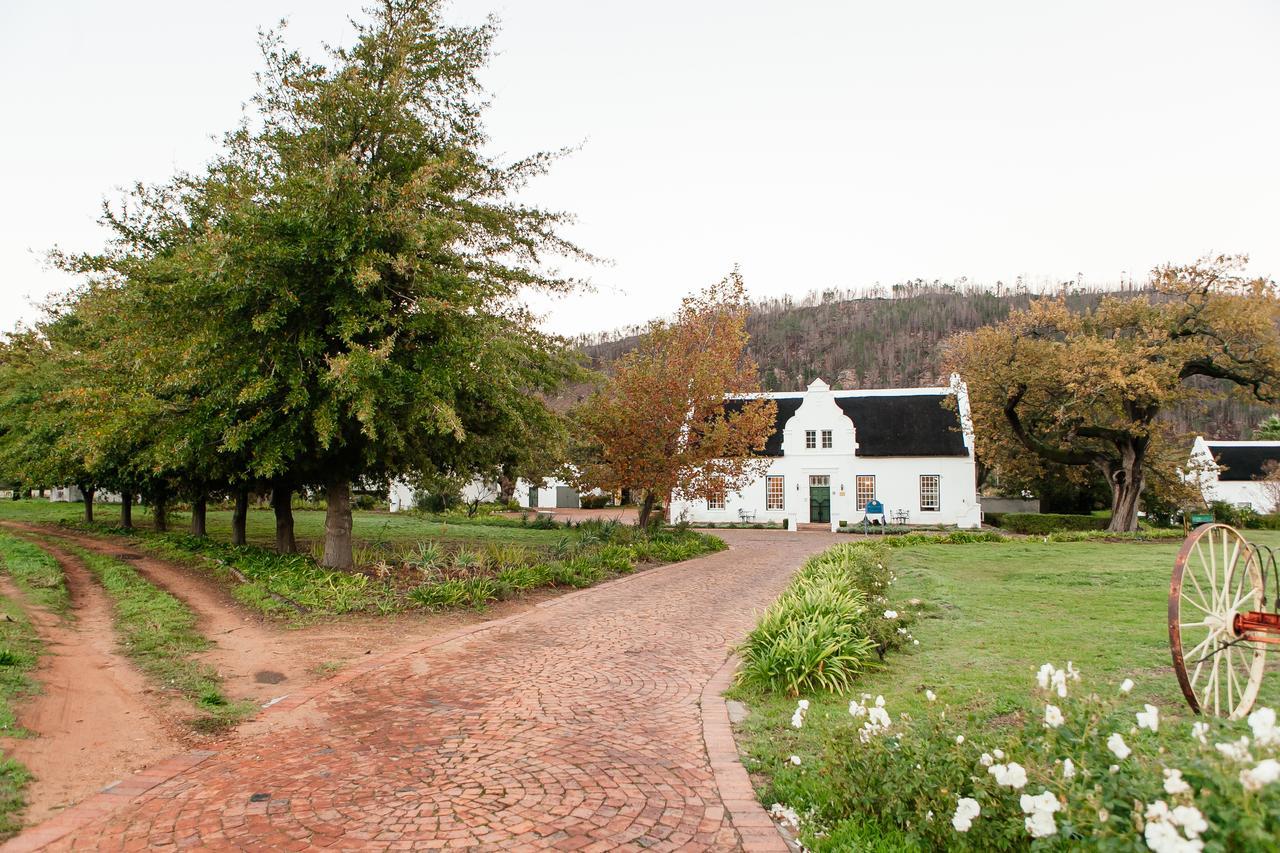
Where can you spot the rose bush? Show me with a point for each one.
(1084, 768)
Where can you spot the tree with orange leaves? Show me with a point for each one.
(1087, 389)
(659, 423)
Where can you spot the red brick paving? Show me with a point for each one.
(575, 726)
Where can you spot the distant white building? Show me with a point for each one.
(548, 494)
(401, 497)
(836, 451)
(72, 494)
(1233, 472)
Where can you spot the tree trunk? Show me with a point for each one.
(87, 491)
(337, 527)
(199, 508)
(126, 510)
(506, 488)
(239, 517)
(646, 509)
(1127, 481)
(282, 503)
(160, 512)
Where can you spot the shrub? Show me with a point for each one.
(615, 559)
(1147, 534)
(1040, 524)
(475, 592)
(824, 628)
(1166, 785)
(595, 501)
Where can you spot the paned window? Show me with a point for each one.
(810, 439)
(774, 491)
(826, 439)
(715, 499)
(820, 480)
(930, 492)
(864, 490)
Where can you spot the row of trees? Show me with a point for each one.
(334, 299)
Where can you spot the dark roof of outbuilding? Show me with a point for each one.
(904, 425)
(1244, 461)
(786, 408)
(886, 424)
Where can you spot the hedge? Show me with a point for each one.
(1039, 524)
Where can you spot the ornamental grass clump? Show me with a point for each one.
(827, 626)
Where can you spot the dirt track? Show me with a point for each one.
(95, 719)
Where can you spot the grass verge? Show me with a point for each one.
(19, 651)
(35, 572)
(159, 633)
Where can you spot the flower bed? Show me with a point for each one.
(1082, 768)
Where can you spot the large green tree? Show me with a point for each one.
(344, 281)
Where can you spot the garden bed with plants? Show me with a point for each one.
(971, 741)
(435, 574)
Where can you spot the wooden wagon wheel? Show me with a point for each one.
(1216, 576)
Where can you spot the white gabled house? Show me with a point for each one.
(1235, 472)
(834, 451)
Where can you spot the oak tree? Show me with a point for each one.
(1087, 388)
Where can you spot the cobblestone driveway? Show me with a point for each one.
(572, 726)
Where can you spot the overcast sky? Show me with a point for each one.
(817, 144)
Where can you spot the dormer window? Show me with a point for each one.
(826, 439)
(810, 439)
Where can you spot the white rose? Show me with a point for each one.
(1126, 685)
(1263, 724)
(1053, 716)
(966, 810)
(1116, 744)
(1174, 783)
(1068, 769)
(1191, 821)
(1150, 718)
(1263, 773)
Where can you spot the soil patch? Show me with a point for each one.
(95, 720)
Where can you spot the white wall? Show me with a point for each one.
(401, 495)
(1204, 470)
(546, 492)
(1239, 492)
(897, 478)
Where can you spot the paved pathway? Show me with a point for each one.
(573, 726)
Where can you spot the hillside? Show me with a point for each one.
(892, 340)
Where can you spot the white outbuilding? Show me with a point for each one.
(835, 452)
(1236, 472)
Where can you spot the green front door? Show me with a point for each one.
(819, 499)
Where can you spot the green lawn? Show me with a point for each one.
(370, 528)
(1002, 611)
